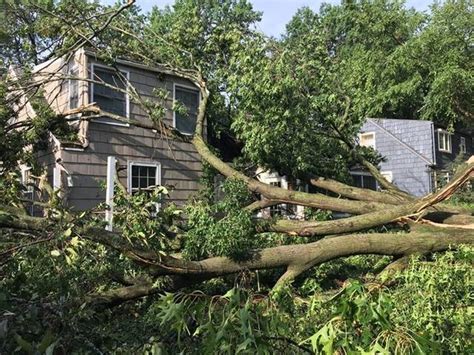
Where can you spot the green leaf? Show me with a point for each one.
(55, 253)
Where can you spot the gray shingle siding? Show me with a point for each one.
(181, 165)
(407, 146)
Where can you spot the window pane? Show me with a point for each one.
(134, 182)
(367, 140)
(135, 170)
(186, 123)
(143, 182)
(73, 89)
(143, 171)
(370, 182)
(151, 171)
(357, 180)
(108, 99)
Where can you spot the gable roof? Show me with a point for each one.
(412, 135)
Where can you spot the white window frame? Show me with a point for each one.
(26, 181)
(71, 69)
(153, 164)
(272, 177)
(127, 96)
(462, 145)
(189, 87)
(388, 175)
(367, 134)
(442, 132)
(26, 177)
(281, 207)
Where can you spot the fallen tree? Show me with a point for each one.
(424, 236)
(431, 224)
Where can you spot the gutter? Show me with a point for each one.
(133, 64)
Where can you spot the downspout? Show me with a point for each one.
(84, 124)
(432, 172)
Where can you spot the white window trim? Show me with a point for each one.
(131, 163)
(24, 179)
(189, 87)
(360, 173)
(71, 69)
(372, 133)
(127, 96)
(462, 145)
(275, 178)
(30, 190)
(388, 175)
(450, 148)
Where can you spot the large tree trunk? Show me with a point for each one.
(294, 258)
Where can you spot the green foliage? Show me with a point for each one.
(141, 219)
(362, 322)
(207, 35)
(10, 188)
(435, 299)
(465, 194)
(43, 287)
(417, 316)
(233, 323)
(221, 228)
(316, 214)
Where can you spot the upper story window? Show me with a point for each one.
(367, 139)
(444, 141)
(73, 86)
(387, 175)
(189, 98)
(107, 98)
(462, 146)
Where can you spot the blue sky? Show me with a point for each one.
(276, 13)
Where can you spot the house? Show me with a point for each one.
(77, 163)
(283, 210)
(418, 154)
(417, 157)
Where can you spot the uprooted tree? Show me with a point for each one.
(286, 102)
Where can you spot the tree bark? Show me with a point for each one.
(356, 193)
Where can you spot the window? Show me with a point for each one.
(28, 184)
(462, 146)
(143, 176)
(107, 98)
(444, 141)
(276, 210)
(73, 88)
(365, 181)
(387, 175)
(367, 139)
(189, 98)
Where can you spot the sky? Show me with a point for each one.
(276, 13)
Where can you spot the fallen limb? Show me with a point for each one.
(356, 193)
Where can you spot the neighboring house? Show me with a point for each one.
(78, 165)
(283, 210)
(417, 153)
